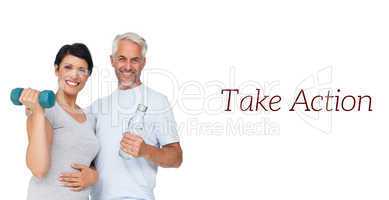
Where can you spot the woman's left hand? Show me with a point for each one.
(80, 180)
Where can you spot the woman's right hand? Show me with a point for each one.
(29, 98)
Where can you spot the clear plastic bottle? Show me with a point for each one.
(136, 126)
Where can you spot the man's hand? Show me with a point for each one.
(133, 145)
(78, 181)
(170, 155)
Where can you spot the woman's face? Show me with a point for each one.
(72, 74)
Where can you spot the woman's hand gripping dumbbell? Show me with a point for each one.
(33, 99)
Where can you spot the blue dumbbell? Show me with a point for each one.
(46, 97)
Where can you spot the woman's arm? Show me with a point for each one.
(39, 134)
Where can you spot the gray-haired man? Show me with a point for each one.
(159, 145)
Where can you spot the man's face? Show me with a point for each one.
(128, 63)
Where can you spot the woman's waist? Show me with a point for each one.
(53, 187)
(59, 167)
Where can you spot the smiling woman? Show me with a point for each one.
(73, 65)
(61, 139)
(77, 50)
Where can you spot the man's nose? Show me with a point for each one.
(128, 65)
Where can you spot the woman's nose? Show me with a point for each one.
(74, 74)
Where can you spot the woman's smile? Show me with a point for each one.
(72, 83)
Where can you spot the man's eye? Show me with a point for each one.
(82, 70)
(68, 67)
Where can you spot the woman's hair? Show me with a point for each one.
(77, 49)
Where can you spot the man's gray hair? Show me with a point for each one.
(133, 37)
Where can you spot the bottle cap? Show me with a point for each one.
(141, 108)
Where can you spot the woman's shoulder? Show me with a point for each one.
(52, 113)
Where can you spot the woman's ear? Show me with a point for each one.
(56, 70)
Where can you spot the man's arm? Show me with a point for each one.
(169, 156)
(84, 177)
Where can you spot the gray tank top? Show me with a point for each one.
(73, 142)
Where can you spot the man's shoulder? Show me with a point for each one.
(158, 102)
(97, 104)
(101, 100)
(154, 94)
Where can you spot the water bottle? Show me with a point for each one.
(136, 126)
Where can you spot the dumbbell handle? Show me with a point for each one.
(46, 97)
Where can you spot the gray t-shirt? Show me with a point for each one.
(73, 142)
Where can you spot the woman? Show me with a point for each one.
(61, 139)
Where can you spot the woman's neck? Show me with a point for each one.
(69, 101)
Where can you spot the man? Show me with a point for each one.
(159, 145)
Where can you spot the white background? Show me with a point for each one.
(197, 48)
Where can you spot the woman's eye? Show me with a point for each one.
(68, 67)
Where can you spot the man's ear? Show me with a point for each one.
(56, 68)
(144, 63)
(111, 58)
